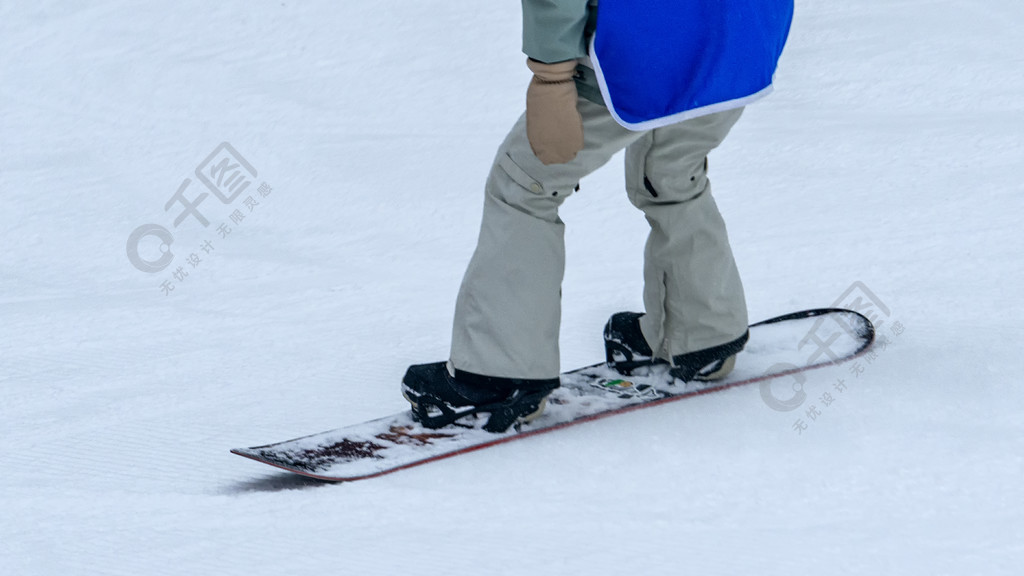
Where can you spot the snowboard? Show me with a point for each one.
(778, 351)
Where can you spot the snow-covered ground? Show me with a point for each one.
(888, 161)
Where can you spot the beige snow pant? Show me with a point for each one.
(508, 311)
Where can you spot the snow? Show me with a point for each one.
(888, 156)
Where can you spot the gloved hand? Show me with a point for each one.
(553, 124)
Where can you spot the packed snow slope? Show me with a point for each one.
(885, 170)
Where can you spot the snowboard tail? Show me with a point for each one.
(778, 347)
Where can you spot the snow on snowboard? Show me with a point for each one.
(778, 347)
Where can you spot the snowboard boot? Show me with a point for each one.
(626, 349)
(708, 364)
(440, 395)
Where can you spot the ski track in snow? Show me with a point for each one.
(889, 155)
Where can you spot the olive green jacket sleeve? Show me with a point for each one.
(557, 30)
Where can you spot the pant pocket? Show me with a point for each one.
(520, 177)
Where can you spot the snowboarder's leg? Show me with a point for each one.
(508, 311)
(692, 291)
(504, 359)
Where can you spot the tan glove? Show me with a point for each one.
(553, 124)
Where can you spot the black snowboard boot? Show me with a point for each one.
(708, 364)
(626, 349)
(440, 396)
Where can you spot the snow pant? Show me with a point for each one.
(508, 311)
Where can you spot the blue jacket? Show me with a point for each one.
(664, 61)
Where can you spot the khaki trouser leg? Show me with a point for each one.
(508, 311)
(692, 290)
